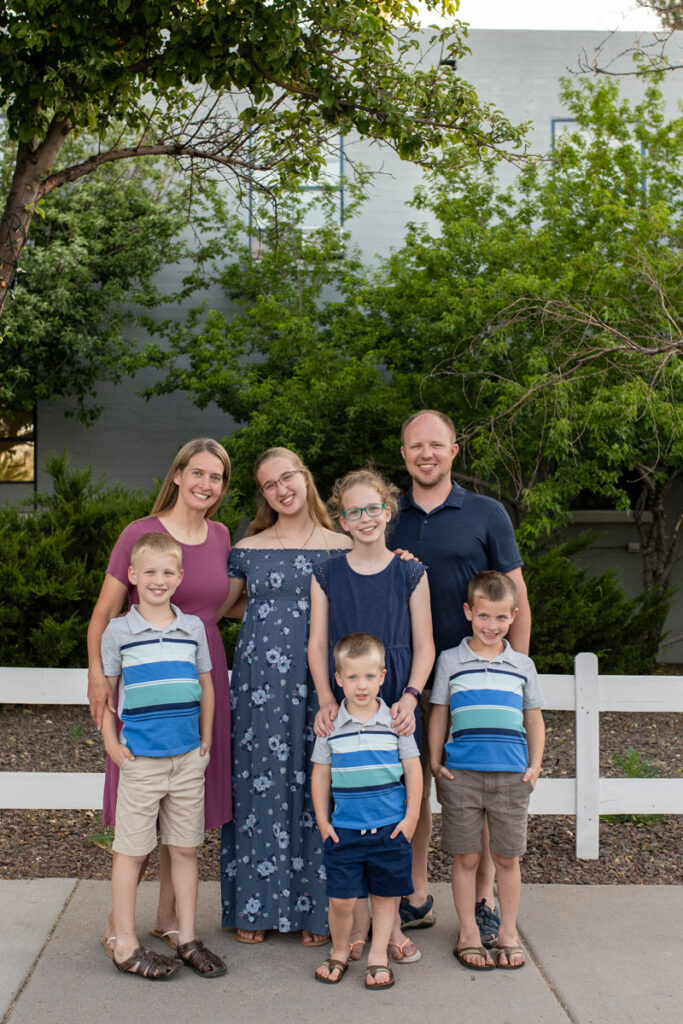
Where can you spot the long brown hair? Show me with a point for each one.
(266, 516)
(168, 494)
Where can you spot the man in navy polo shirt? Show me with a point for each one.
(456, 534)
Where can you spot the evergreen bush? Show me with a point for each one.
(574, 612)
(55, 547)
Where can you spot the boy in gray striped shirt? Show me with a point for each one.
(487, 698)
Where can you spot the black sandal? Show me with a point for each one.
(144, 963)
(202, 961)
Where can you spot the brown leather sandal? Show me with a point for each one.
(372, 970)
(332, 965)
(202, 961)
(143, 963)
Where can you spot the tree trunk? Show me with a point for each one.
(659, 541)
(34, 164)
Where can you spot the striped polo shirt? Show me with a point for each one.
(487, 699)
(159, 690)
(367, 769)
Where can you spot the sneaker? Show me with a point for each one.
(488, 922)
(417, 917)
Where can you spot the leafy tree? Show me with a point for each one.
(649, 55)
(255, 86)
(550, 314)
(544, 318)
(670, 11)
(297, 367)
(87, 275)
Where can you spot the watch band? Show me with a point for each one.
(414, 692)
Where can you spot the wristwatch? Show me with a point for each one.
(414, 692)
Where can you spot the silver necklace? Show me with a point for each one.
(301, 546)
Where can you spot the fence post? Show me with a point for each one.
(587, 756)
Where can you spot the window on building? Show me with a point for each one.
(560, 126)
(316, 214)
(331, 177)
(17, 449)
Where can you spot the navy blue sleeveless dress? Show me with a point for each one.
(376, 604)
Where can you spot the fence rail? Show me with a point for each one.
(585, 797)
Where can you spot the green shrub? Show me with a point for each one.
(54, 550)
(574, 612)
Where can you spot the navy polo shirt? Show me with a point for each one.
(466, 535)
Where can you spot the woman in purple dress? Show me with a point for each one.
(193, 490)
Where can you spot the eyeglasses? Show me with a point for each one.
(352, 514)
(282, 481)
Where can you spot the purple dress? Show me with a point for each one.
(377, 604)
(202, 591)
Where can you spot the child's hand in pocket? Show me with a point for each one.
(120, 754)
(405, 826)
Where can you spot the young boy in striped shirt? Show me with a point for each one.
(375, 779)
(166, 706)
(487, 697)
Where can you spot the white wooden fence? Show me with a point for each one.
(585, 797)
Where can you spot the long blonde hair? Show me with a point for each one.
(266, 516)
(168, 494)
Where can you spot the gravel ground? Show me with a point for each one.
(38, 844)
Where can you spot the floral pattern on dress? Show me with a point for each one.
(272, 872)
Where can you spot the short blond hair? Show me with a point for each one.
(158, 544)
(358, 645)
(492, 586)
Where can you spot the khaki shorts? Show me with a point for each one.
(468, 796)
(167, 789)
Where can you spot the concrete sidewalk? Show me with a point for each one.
(598, 955)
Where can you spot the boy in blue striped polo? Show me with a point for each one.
(375, 779)
(166, 707)
(487, 697)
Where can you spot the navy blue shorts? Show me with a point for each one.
(368, 863)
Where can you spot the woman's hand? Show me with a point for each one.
(99, 695)
(403, 715)
(322, 724)
(109, 604)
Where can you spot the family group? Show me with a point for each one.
(384, 643)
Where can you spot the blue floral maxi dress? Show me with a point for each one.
(272, 873)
